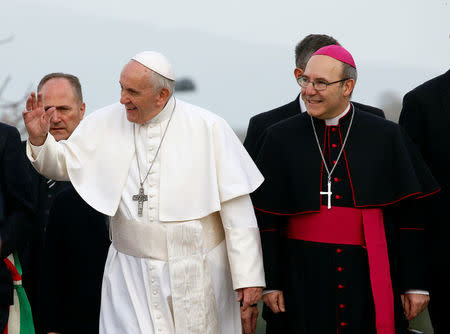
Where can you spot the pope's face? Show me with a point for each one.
(141, 101)
(58, 93)
(334, 99)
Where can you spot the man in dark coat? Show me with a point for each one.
(342, 239)
(426, 118)
(16, 210)
(77, 242)
(62, 91)
(259, 123)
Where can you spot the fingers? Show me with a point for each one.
(33, 101)
(251, 296)
(48, 114)
(40, 104)
(29, 103)
(249, 319)
(406, 306)
(272, 300)
(240, 295)
(254, 319)
(417, 303)
(281, 302)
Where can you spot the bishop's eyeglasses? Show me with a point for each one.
(318, 85)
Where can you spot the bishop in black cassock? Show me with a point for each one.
(341, 259)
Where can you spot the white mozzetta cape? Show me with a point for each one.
(203, 162)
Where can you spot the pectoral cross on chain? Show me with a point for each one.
(140, 198)
(328, 193)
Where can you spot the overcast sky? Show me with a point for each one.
(239, 53)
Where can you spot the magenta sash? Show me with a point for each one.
(351, 226)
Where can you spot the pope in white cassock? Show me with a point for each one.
(176, 181)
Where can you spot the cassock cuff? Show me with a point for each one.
(417, 292)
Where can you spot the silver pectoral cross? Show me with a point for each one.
(328, 193)
(141, 198)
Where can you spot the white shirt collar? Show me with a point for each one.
(302, 104)
(335, 120)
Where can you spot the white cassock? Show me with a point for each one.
(175, 268)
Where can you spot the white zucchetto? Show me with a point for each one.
(157, 62)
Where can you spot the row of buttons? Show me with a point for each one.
(341, 287)
(158, 323)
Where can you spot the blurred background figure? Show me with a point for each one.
(16, 216)
(74, 256)
(426, 118)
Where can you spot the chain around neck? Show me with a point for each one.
(157, 151)
(329, 173)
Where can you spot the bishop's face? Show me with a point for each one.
(140, 99)
(334, 99)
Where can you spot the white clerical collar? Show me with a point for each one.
(302, 103)
(163, 114)
(335, 120)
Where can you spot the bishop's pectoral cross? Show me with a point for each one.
(328, 193)
(140, 198)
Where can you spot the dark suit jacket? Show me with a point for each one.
(17, 205)
(75, 252)
(259, 123)
(32, 254)
(426, 117)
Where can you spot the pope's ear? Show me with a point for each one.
(82, 110)
(164, 95)
(349, 85)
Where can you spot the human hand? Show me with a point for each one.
(275, 301)
(249, 317)
(413, 304)
(249, 296)
(37, 119)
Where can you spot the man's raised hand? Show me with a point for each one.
(37, 119)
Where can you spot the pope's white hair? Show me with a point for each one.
(158, 82)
